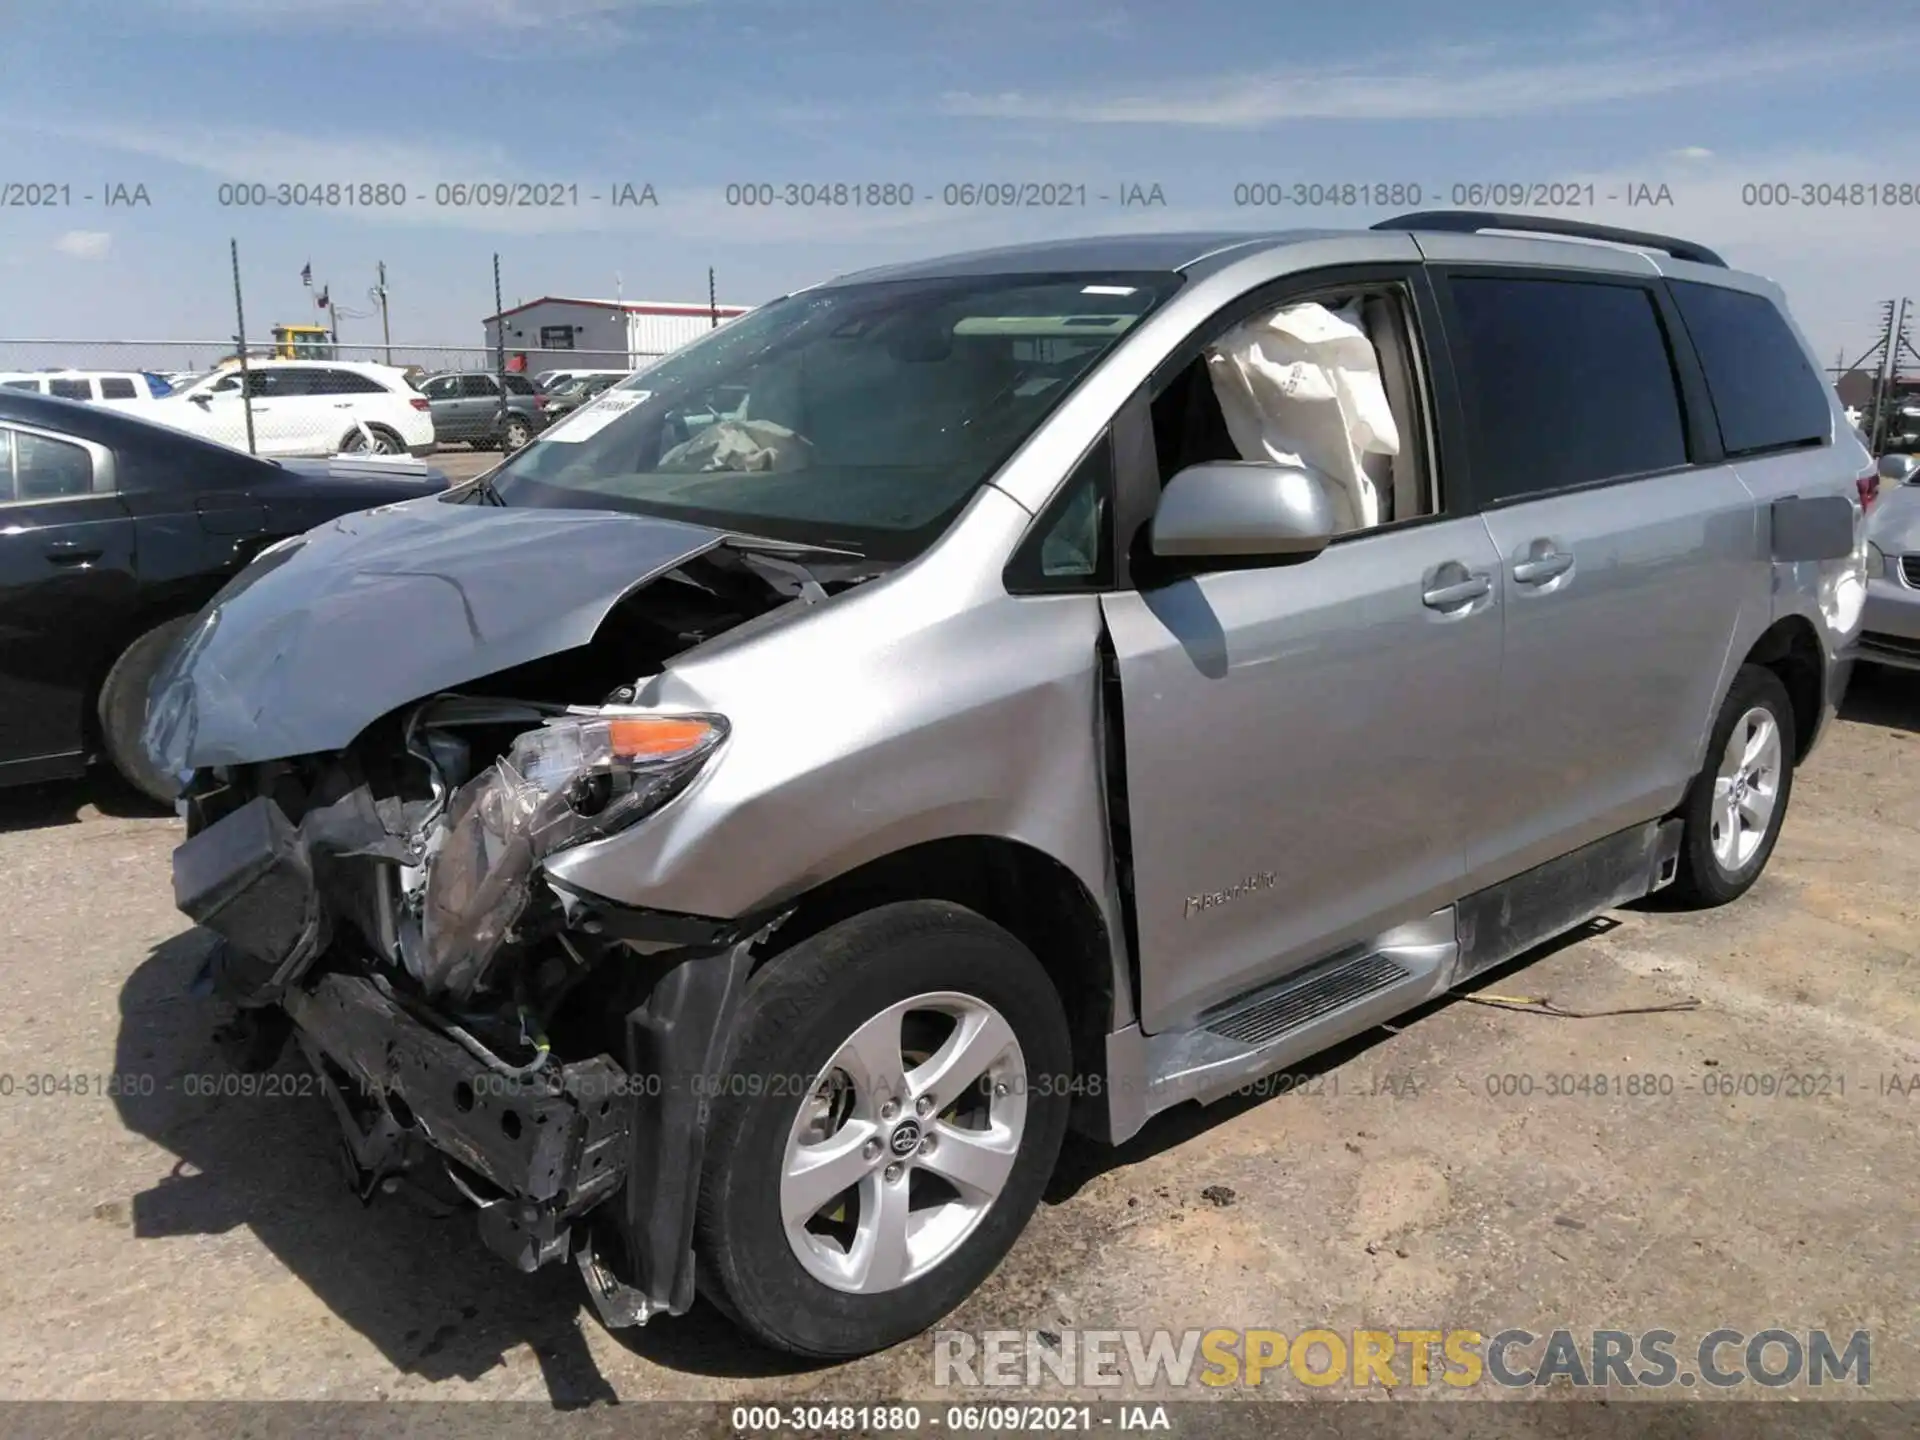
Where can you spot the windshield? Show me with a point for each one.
(862, 416)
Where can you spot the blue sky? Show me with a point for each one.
(182, 96)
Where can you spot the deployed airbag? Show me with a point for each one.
(1302, 387)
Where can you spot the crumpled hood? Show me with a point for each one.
(314, 641)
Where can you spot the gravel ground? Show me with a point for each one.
(171, 1246)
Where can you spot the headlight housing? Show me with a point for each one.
(578, 778)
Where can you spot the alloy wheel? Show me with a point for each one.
(903, 1142)
(1746, 788)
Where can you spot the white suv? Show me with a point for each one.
(306, 407)
(134, 390)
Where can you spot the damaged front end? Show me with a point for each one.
(473, 1020)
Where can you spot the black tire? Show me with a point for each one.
(123, 710)
(1703, 881)
(798, 1011)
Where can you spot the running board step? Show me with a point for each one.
(1320, 993)
(1301, 1014)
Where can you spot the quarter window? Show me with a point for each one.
(1765, 393)
(50, 469)
(1565, 383)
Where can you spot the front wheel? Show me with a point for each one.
(122, 710)
(1733, 812)
(893, 1107)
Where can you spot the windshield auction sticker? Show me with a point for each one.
(590, 419)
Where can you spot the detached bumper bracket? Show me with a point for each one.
(554, 1149)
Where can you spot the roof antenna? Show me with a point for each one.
(619, 292)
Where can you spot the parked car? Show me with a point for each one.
(134, 390)
(306, 407)
(467, 405)
(1891, 627)
(550, 380)
(570, 395)
(1073, 680)
(114, 532)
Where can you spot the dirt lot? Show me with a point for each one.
(166, 1245)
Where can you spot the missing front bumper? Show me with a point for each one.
(550, 1147)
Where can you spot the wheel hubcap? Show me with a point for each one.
(903, 1143)
(1746, 789)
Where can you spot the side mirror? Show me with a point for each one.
(202, 399)
(1243, 508)
(1898, 469)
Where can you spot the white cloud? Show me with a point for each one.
(1462, 83)
(591, 20)
(1692, 152)
(85, 244)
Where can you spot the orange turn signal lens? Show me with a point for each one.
(653, 736)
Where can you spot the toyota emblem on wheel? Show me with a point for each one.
(906, 1138)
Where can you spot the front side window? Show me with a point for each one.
(1765, 393)
(116, 387)
(862, 415)
(1566, 382)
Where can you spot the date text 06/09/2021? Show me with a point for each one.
(906, 1418)
(446, 195)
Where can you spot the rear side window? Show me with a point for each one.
(482, 385)
(70, 389)
(345, 382)
(50, 469)
(116, 387)
(1765, 394)
(1566, 382)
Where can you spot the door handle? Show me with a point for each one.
(69, 552)
(1445, 597)
(1542, 568)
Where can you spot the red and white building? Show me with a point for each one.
(557, 332)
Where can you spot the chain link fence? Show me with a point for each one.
(361, 397)
(349, 398)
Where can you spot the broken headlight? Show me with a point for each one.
(574, 780)
(580, 778)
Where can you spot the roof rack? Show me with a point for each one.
(1471, 222)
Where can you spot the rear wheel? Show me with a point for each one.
(514, 434)
(900, 1107)
(1738, 802)
(384, 442)
(123, 710)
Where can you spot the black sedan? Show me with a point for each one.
(113, 532)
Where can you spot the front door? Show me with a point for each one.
(1303, 739)
(67, 586)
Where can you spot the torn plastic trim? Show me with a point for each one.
(649, 929)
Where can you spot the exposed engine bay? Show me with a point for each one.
(385, 907)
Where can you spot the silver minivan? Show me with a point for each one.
(730, 843)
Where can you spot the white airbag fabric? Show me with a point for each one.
(1302, 387)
